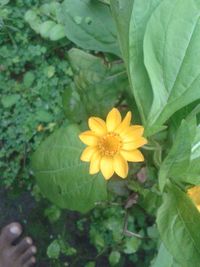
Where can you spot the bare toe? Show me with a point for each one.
(28, 255)
(22, 246)
(30, 263)
(15, 253)
(9, 234)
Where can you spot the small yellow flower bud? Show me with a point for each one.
(40, 128)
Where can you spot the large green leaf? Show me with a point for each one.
(171, 58)
(122, 11)
(141, 86)
(164, 258)
(100, 85)
(62, 177)
(89, 24)
(178, 223)
(131, 18)
(177, 161)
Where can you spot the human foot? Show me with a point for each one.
(15, 255)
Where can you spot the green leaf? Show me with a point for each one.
(54, 8)
(114, 258)
(50, 71)
(57, 32)
(100, 86)
(66, 249)
(30, 15)
(177, 161)
(62, 177)
(122, 10)
(45, 9)
(171, 59)
(97, 239)
(4, 2)
(53, 250)
(72, 105)
(43, 116)
(151, 200)
(189, 113)
(9, 100)
(131, 19)
(46, 28)
(50, 9)
(53, 213)
(32, 18)
(178, 223)
(29, 78)
(192, 173)
(90, 264)
(131, 246)
(164, 258)
(89, 24)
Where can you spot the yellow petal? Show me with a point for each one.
(87, 153)
(113, 120)
(106, 166)
(95, 163)
(132, 131)
(97, 125)
(134, 144)
(120, 166)
(89, 138)
(125, 123)
(133, 156)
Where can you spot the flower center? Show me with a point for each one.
(109, 144)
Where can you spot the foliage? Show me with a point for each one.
(89, 25)
(45, 21)
(60, 183)
(64, 61)
(178, 215)
(30, 105)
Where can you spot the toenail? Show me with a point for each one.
(33, 249)
(15, 230)
(29, 240)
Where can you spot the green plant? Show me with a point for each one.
(62, 62)
(31, 100)
(162, 68)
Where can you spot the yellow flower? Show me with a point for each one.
(111, 144)
(194, 194)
